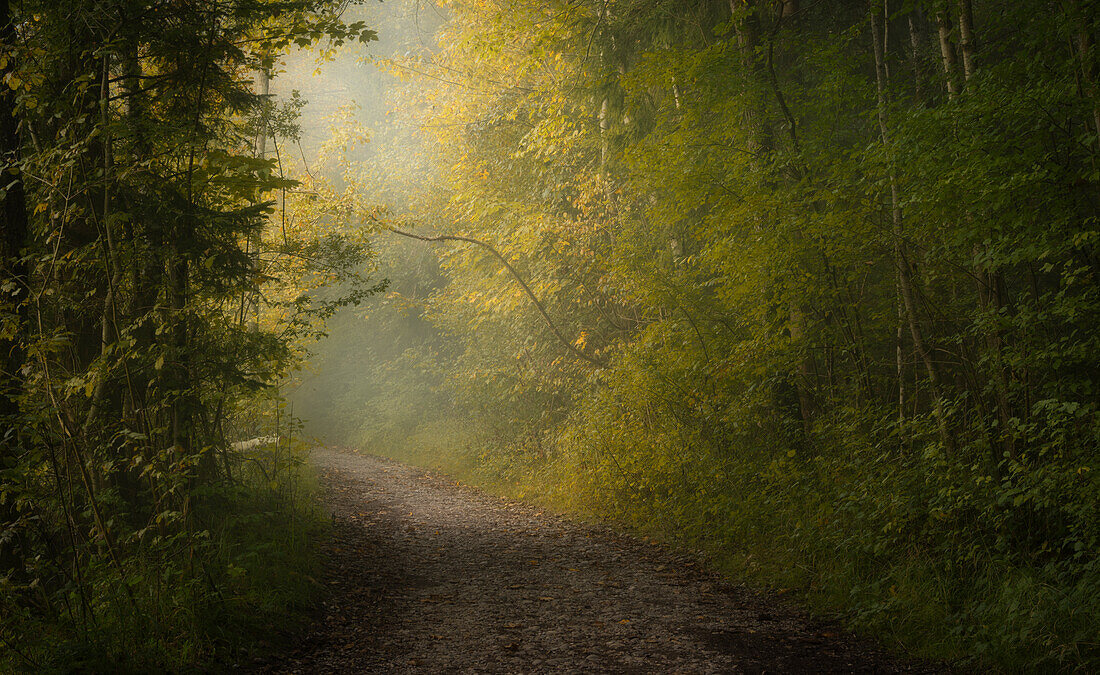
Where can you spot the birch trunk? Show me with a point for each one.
(966, 38)
(947, 53)
(261, 134)
(901, 262)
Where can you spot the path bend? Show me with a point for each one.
(427, 576)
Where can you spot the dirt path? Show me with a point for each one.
(430, 577)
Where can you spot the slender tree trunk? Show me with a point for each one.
(14, 237)
(145, 234)
(181, 425)
(916, 50)
(1087, 59)
(261, 134)
(113, 272)
(991, 283)
(947, 53)
(901, 262)
(762, 141)
(1088, 75)
(748, 40)
(250, 298)
(966, 38)
(900, 349)
(13, 285)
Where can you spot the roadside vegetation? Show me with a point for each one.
(161, 274)
(810, 286)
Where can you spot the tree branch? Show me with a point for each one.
(599, 363)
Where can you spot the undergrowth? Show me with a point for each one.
(856, 545)
(228, 590)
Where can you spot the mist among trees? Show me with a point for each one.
(808, 287)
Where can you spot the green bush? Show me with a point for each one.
(234, 585)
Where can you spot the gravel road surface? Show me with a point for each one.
(427, 576)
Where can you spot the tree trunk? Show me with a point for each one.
(748, 40)
(761, 142)
(966, 38)
(14, 236)
(990, 281)
(145, 235)
(13, 285)
(947, 53)
(604, 118)
(916, 49)
(1087, 60)
(108, 333)
(261, 134)
(901, 262)
(764, 74)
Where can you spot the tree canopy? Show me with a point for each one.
(816, 289)
(159, 277)
(809, 286)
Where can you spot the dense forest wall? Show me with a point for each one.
(161, 271)
(818, 286)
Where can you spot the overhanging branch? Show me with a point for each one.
(599, 363)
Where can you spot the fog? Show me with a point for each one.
(366, 381)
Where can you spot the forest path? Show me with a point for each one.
(426, 576)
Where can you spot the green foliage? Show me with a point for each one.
(154, 300)
(847, 299)
(185, 601)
